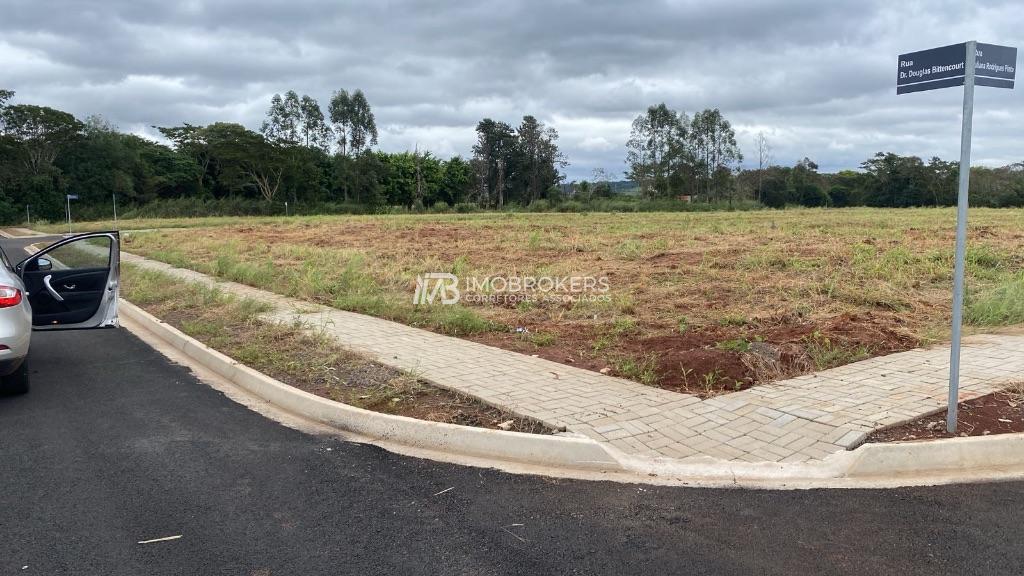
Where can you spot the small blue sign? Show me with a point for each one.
(72, 196)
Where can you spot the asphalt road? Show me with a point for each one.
(15, 247)
(115, 445)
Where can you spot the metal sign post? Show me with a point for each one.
(114, 195)
(961, 242)
(966, 65)
(69, 198)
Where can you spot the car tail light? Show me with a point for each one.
(9, 296)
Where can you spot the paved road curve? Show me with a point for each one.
(115, 445)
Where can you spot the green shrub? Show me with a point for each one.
(540, 205)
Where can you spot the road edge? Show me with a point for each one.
(954, 460)
(537, 449)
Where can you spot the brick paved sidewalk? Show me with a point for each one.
(795, 420)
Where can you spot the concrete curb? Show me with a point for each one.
(968, 456)
(556, 451)
(871, 465)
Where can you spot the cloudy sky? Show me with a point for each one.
(816, 76)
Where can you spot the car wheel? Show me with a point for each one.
(17, 381)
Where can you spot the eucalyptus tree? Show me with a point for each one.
(341, 119)
(764, 159)
(284, 118)
(352, 120)
(364, 126)
(714, 144)
(538, 160)
(316, 132)
(656, 149)
(493, 152)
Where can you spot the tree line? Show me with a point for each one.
(671, 156)
(885, 180)
(323, 160)
(315, 159)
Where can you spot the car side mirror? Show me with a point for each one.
(44, 264)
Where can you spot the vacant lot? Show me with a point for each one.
(697, 302)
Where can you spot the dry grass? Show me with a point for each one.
(837, 285)
(1016, 391)
(304, 359)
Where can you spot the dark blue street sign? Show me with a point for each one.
(72, 196)
(996, 66)
(943, 67)
(930, 69)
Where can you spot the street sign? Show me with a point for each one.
(943, 67)
(994, 66)
(70, 197)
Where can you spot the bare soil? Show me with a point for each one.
(996, 413)
(695, 361)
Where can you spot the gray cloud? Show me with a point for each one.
(817, 77)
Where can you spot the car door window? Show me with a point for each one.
(86, 254)
(74, 283)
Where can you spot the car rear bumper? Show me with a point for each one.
(15, 336)
(9, 366)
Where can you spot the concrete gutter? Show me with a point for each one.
(869, 466)
(537, 449)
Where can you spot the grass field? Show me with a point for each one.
(702, 302)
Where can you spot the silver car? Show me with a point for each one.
(71, 284)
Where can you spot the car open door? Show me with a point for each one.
(74, 283)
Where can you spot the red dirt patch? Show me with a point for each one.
(708, 360)
(996, 413)
(713, 359)
(563, 352)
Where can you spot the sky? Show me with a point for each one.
(816, 77)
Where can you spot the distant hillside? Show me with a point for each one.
(626, 187)
(622, 187)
